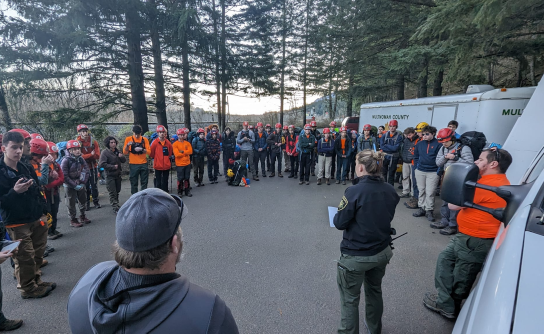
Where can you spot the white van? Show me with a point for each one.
(483, 108)
(508, 297)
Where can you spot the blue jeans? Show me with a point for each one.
(341, 167)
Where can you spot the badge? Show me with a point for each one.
(343, 203)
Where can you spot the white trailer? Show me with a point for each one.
(483, 108)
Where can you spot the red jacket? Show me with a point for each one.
(87, 146)
(160, 161)
(291, 144)
(52, 188)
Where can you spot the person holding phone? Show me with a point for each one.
(22, 206)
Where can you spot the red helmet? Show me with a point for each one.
(367, 127)
(285, 127)
(25, 134)
(52, 147)
(161, 128)
(39, 146)
(353, 131)
(82, 127)
(245, 123)
(444, 135)
(343, 129)
(36, 136)
(291, 126)
(313, 123)
(393, 122)
(201, 130)
(180, 132)
(333, 124)
(267, 126)
(307, 127)
(278, 125)
(326, 130)
(260, 124)
(251, 127)
(73, 144)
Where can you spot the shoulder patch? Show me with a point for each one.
(343, 203)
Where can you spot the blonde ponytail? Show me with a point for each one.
(373, 161)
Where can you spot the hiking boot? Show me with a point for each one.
(400, 187)
(313, 173)
(58, 233)
(404, 195)
(344, 182)
(52, 236)
(38, 292)
(301, 182)
(450, 230)
(272, 174)
(337, 182)
(255, 177)
(88, 206)
(307, 183)
(419, 213)
(287, 170)
(439, 225)
(279, 175)
(328, 182)
(44, 263)
(318, 182)
(97, 205)
(53, 285)
(84, 219)
(49, 249)
(202, 184)
(352, 176)
(9, 325)
(188, 192)
(75, 223)
(291, 176)
(412, 203)
(198, 185)
(115, 210)
(264, 174)
(430, 302)
(430, 216)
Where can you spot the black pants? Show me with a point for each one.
(314, 162)
(198, 165)
(261, 156)
(92, 188)
(294, 164)
(389, 169)
(351, 164)
(305, 161)
(276, 156)
(53, 202)
(226, 157)
(213, 169)
(268, 155)
(161, 179)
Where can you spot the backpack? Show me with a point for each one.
(475, 140)
(240, 171)
(190, 136)
(62, 151)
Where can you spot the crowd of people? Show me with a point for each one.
(32, 171)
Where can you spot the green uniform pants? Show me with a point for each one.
(113, 184)
(352, 273)
(136, 171)
(457, 267)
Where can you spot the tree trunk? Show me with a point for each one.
(185, 74)
(437, 86)
(223, 65)
(217, 68)
(335, 99)
(305, 68)
(160, 102)
(490, 76)
(329, 89)
(6, 119)
(400, 87)
(135, 70)
(349, 109)
(532, 75)
(423, 80)
(282, 79)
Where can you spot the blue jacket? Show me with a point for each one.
(260, 142)
(391, 145)
(326, 148)
(199, 147)
(425, 153)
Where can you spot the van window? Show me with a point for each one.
(535, 172)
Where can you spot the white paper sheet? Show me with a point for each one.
(332, 212)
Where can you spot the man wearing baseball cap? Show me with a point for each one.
(141, 292)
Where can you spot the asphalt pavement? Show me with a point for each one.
(267, 250)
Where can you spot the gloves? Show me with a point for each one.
(78, 187)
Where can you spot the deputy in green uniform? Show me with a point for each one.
(365, 214)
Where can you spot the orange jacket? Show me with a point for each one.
(87, 147)
(160, 161)
(136, 159)
(182, 159)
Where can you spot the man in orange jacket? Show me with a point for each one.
(161, 151)
(90, 151)
(182, 151)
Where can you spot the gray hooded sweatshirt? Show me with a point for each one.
(108, 299)
(462, 154)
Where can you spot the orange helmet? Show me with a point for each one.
(39, 146)
(444, 135)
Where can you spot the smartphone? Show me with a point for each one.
(10, 246)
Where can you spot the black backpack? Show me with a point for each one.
(475, 140)
(240, 171)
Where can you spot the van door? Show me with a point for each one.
(443, 114)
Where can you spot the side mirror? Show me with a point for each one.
(459, 182)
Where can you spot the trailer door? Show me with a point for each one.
(443, 114)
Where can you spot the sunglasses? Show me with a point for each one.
(497, 154)
(427, 134)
